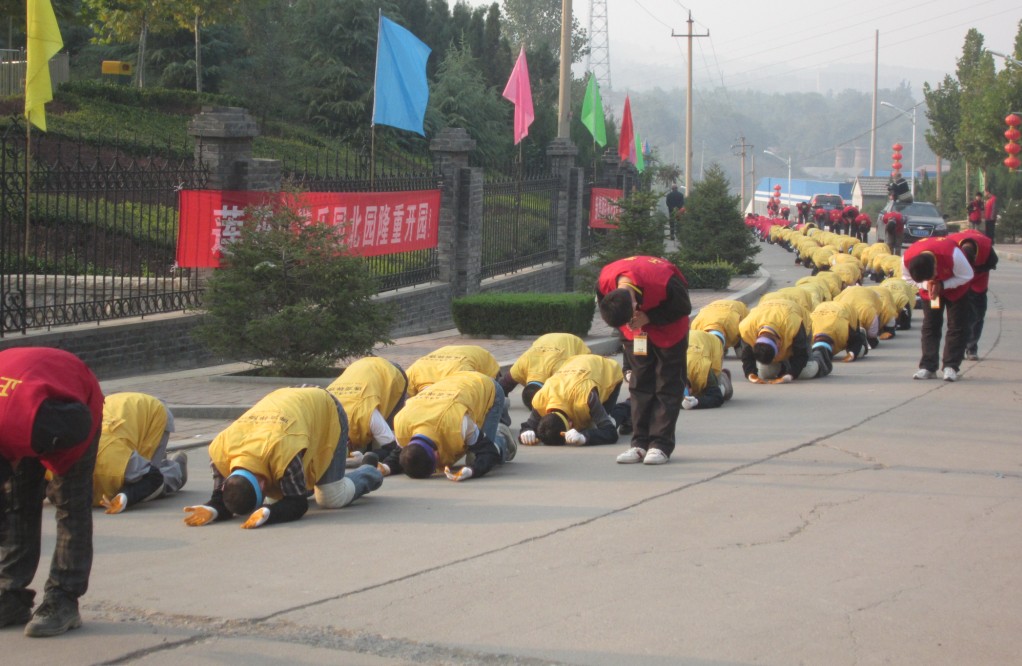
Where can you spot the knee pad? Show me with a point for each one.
(336, 494)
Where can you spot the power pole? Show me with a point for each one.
(742, 147)
(688, 105)
(564, 89)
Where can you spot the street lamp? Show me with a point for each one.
(912, 117)
(788, 162)
(1007, 58)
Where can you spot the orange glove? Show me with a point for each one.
(257, 519)
(462, 474)
(116, 505)
(200, 515)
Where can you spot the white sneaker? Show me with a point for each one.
(655, 457)
(632, 456)
(950, 375)
(924, 374)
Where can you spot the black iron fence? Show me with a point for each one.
(519, 219)
(386, 171)
(88, 233)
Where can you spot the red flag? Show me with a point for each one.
(626, 138)
(519, 92)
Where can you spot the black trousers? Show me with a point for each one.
(959, 316)
(656, 390)
(978, 303)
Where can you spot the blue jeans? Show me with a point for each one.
(493, 420)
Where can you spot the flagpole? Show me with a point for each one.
(28, 186)
(372, 155)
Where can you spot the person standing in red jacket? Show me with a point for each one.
(646, 298)
(894, 230)
(979, 250)
(975, 211)
(51, 414)
(942, 273)
(989, 214)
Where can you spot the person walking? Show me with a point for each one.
(646, 298)
(51, 411)
(675, 201)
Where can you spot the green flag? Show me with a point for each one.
(640, 162)
(592, 112)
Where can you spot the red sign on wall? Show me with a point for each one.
(602, 209)
(374, 223)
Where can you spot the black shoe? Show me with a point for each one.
(54, 617)
(13, 612)
(370, 458)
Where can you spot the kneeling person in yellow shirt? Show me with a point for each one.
(458, 415)
(291, 439)
(132, 465)
(573, 406)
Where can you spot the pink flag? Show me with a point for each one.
(626, 138)
(519, 92)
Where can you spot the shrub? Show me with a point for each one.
(290, 299)
(517, 315)
(712, 227)
(706, 275)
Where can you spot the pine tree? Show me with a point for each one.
(712, 228)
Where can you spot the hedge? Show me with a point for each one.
(521, 315)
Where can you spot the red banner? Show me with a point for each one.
(375, 223)
(602, 209)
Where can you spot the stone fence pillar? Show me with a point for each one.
(223, 144)
(563, 153)
(459, 242)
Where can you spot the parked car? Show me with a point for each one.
(922, 220)
(826, 202)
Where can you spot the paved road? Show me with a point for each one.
(863, 518)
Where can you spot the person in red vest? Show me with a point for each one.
(989, 214)
(862, 227)
(894, 227)
(979, 250)
(848, 217)
(942, 273)
(975, 211)
(51, 413)
(646, 298)
(837, 221)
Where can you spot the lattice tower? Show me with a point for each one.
(598, 61)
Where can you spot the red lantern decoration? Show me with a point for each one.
(896, 156)
(897, 147)
(1012, 135)
(896, 166)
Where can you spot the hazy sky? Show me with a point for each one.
(797, 44)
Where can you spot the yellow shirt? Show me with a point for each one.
(132, 423)
(367, 385)
(439, 410)
(705, 355)
(784, 316)
(864, 301)
(447, 360)
(888, 310)
(546, 354)
(284, 424)
(721, 315)
(568, 389)
(834, 319)
(904, 293)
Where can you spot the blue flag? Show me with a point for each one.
(401, 88)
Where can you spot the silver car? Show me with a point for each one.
(922, 220)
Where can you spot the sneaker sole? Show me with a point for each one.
(35, 631)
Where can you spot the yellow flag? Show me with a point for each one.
(43, 43)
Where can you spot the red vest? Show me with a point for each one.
(943, 249)
(984, 246)
(897, 218)
(29, 375)
(649, 274)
